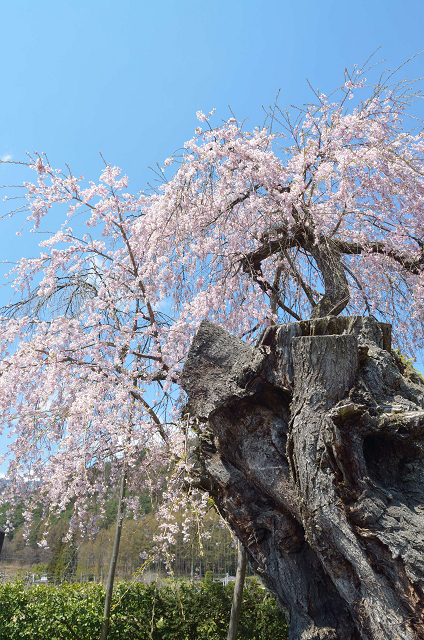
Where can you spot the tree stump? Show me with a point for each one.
(312, 446)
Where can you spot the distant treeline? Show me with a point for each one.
(88, 560)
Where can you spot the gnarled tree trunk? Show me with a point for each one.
(312, 446)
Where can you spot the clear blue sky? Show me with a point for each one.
(127, 78)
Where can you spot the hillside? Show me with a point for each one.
(88, 560)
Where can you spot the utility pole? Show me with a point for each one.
(114, 559)
(238, 592)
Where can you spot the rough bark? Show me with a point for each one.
(312, 446)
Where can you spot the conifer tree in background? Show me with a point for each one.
(63, 563)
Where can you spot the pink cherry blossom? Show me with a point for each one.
(100, 324)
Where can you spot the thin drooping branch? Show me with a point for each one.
(254, 270)
(306, 288)
(152, 414)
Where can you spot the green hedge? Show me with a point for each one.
(176, 612)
